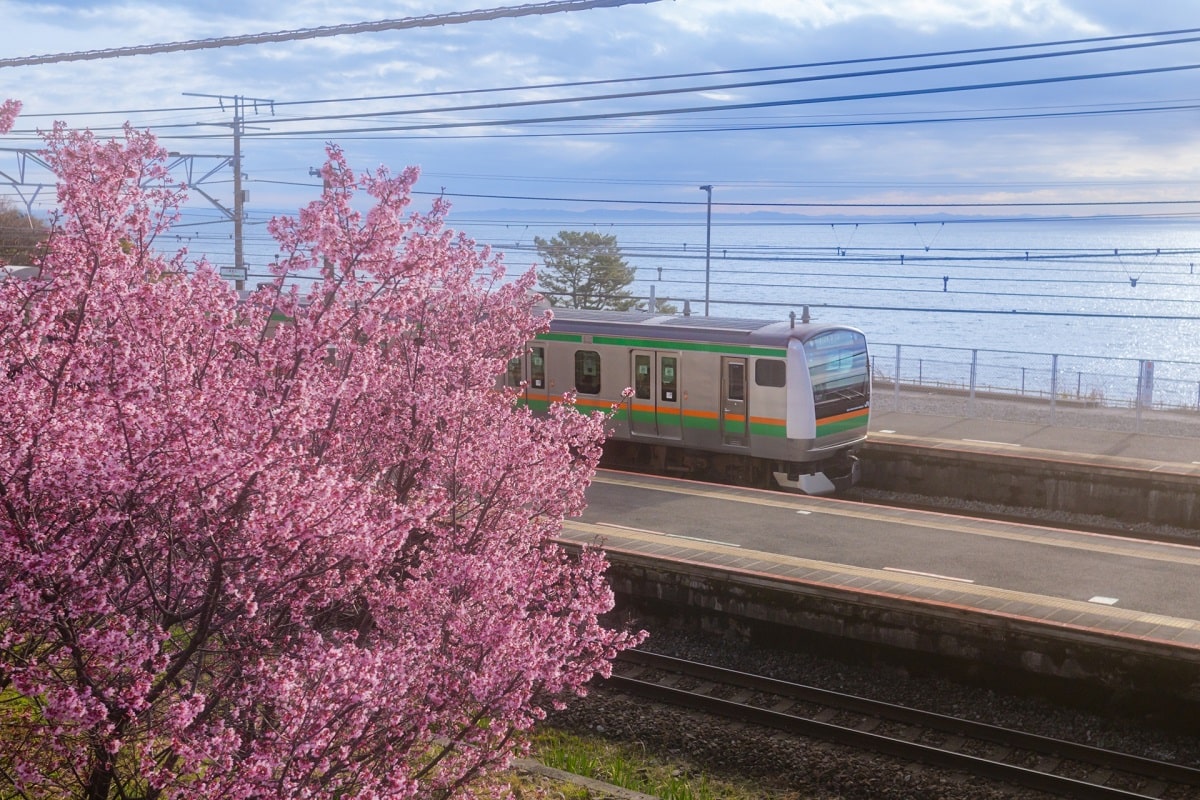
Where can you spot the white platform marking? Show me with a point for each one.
(928, 575)
(987, 441)
(1104, 601)
(669, 535)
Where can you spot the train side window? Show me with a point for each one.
(512, 375)
(770, 372)
(587, 372)
(669, 379)
(537, 368)
(737, 380)
(641, 377)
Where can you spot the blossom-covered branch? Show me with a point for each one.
(296, 544)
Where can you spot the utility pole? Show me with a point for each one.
(707, 245)
(316, 173)
(239, 199)
(238, 215)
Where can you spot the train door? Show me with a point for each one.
(734, 402)
(537, 392)
(654, 409)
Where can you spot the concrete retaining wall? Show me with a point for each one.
(1124, 494)
(1001, 644)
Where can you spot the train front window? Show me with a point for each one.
(837, 363)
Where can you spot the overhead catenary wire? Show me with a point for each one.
(875, 73)
(376, 114)
(761, 69)
(876, 206)
(1014, 312)
(747, 106)
(430, 20)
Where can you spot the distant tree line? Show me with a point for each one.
(20, 235)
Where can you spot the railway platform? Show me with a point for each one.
(1133, 477)
(1114, 611)
(1078, 443)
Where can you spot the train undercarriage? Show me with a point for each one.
(837, 473)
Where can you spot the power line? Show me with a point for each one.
(751, 204)
(774, 68)
(756, 126)
(658, 112)
(431, 20)
(818, 223)
(988, 311)
(727, 127)
(434, 20)
(874, 73)
(761, 126)
(406, 134)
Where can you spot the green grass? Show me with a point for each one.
(631, 767)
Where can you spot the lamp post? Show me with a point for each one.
(707, 245)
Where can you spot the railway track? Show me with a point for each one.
(1061, 768)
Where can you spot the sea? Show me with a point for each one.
(1027, 291)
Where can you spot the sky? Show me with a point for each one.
(853, 108)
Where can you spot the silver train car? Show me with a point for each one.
(743, 401)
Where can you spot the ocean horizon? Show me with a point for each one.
(1100, 287)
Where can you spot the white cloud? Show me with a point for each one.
(711, 17)
(672, 36)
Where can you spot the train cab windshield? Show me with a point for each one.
(837, 364)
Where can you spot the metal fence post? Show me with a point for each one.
(1137, 402)
(1053, 386)
(1173, 385)
(896, 385)
(971, 402)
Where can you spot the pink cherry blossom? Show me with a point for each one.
(8, 114)
(291, 545)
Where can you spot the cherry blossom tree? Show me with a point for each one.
(296, 544)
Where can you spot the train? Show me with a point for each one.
(753, 402)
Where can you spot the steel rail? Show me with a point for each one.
(1094, 757)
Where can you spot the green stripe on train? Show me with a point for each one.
(777, 430)
(841, 426)
(648, 418)
(664, 344)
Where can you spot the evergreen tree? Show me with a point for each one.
(585, 270)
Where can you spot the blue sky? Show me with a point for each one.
(895, 137)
